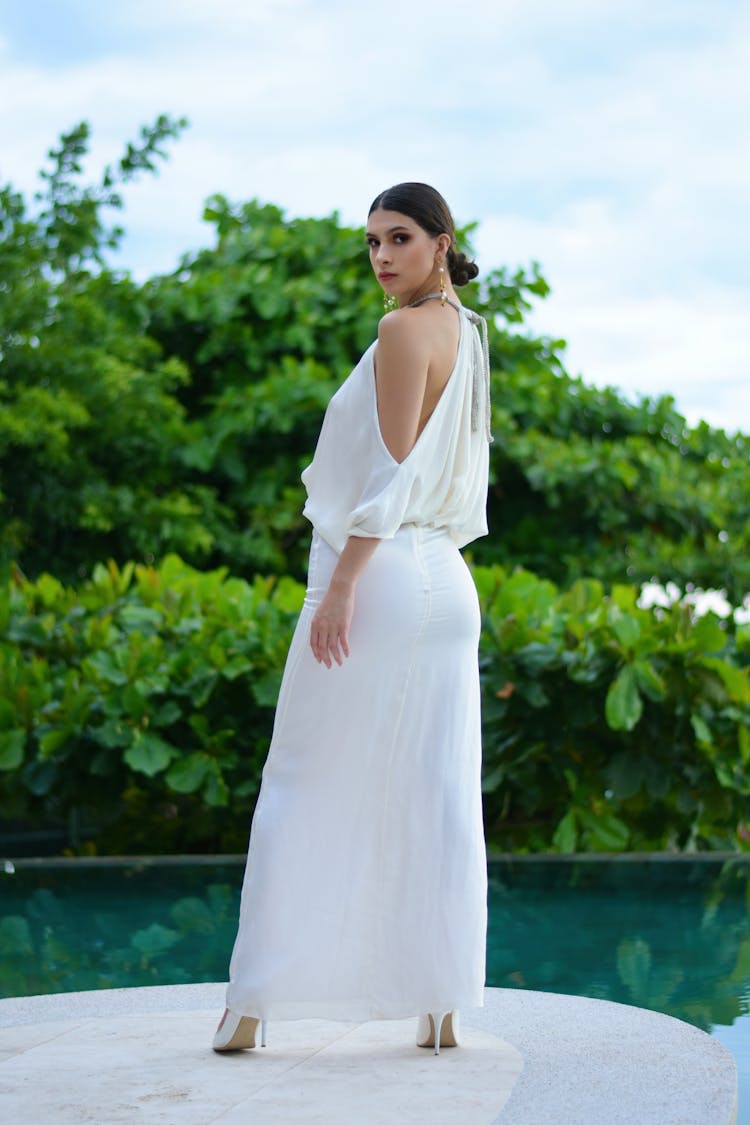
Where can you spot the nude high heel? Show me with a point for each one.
(438, 1029)
(236, 1032)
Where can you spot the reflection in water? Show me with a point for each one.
(673, 936)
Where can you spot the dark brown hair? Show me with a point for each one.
(428, 208)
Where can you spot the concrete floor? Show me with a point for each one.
(528, 1058)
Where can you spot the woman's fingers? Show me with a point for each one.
(339, 646)
(328, 645)
(329, 629)
(319, 643)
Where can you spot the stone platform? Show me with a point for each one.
(529, 1058)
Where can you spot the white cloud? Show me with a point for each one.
(610, 141)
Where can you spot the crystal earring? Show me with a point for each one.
(390, 302)
(443, 289)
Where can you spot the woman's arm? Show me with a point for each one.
(329, 632)
(402, 360)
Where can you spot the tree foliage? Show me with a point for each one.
(150, 423)
(176, 415)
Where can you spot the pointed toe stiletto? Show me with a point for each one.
(438, 1029)
(236, 1032)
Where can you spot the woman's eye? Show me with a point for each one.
(399, 238)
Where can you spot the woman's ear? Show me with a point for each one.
(443, 243)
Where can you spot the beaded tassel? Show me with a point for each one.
(480, 383)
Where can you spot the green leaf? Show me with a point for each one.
(493, 778)
(624, 775)
(12, 743)
(266, 688)
(533, 693)
(707, 634)
(565, 836)
(535, 656)
(605, 832)
(735, 680)
(743, 737)
(149, 754)
(625, 597)
(649, 681)
(189, 773)
(109, 666)
(623, 706)
(288, 595)
(585, 595)
(40, 776)
(235, 667)
(625, 626)
(167, 714)
(701, 730)
(216, 790)
(140, 618)
(52, 741)
(113, 733)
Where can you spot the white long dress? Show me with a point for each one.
(365, 888)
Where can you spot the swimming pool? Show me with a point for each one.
(672, 934)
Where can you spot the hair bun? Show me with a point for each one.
(460, 268)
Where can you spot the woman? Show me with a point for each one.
(365, 888)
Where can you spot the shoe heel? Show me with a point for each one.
(435, 1028)
(436, 1018)
(236, 1032)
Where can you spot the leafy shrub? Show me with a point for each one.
(141, 707)
(608, 726)
(137, 711)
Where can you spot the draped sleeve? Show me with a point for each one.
(355, 487)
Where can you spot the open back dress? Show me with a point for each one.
(365, 889)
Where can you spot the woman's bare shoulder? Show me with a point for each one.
(405, 327)
(402, 329)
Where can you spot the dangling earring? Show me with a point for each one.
(443, 289)
(389, 302)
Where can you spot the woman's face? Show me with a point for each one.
(403, 255)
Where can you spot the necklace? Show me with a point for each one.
(433, 297)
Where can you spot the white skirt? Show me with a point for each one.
(365, 891)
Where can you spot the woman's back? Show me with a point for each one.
(437, 338)
(355, 484)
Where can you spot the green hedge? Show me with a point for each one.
(136, 711)
(139, 708)
(607, 726)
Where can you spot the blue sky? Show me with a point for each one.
(610, 141)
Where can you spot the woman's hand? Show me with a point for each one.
(329, 632)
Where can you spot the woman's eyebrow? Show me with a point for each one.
(391, 230)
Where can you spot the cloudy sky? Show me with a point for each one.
(608, 139)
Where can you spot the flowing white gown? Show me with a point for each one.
(365, 889)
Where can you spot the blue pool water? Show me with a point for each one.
(668, 934)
